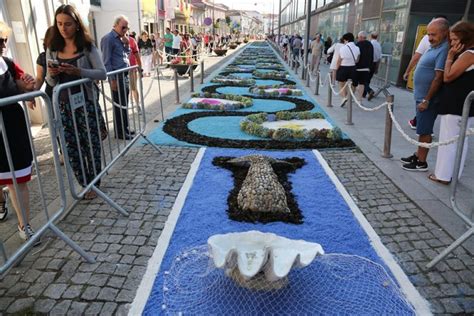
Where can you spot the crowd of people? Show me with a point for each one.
(443, 77)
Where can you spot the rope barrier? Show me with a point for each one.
(469, 132)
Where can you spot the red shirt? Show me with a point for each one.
(133, 51)
(18, 71)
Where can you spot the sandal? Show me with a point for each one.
(90, 195)
(432, 177)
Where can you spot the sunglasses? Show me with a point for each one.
(125, 28)
(3, 41)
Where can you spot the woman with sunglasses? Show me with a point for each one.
(14, 81)
(73, 56)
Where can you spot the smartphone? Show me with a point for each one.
(53, 63)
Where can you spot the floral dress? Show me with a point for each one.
(92, 163)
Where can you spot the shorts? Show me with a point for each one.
(362, 77)
(345, 73)
(425, 120)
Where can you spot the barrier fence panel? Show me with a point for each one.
(457, 167)
(380, 79)
(93, 135)
(8, 254)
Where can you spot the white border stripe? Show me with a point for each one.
(414, 297)
(154, 264)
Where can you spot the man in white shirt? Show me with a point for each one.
(375, 66)
(176, 42)
(346, 65)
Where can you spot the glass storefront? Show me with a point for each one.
(387, 17)
(393, 25)
(333, 23)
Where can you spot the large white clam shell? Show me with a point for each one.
(254, 251)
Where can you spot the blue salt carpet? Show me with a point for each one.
(228, 127)
(328, 220)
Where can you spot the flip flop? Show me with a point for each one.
(432, 177)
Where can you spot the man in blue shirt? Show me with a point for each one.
(428, 79)
(115, 51)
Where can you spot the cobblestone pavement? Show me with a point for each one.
(56, 280)
(408, 233)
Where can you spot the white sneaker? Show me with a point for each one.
(26, 233)
(4, 205)
(343, 102)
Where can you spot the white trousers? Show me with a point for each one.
(450, 126)
(146, 63)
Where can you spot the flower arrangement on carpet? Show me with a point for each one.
(270, 74)
(269, 65)
(183, 60)
(276, 90)
(232, 80)
(239, 68)
(253, 124)
(215, 101)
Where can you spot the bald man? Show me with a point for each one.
(428, 79)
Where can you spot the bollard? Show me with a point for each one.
(176, 86)
(316, 89)
(308, 75)
(202, 71)
(349, 103)
(387, 142)
(329, 95)
(191, 76)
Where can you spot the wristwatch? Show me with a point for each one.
(425, 101)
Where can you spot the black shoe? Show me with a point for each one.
(126, 137)
(131, 132)
(416, 166)
(412, 158)
(371, 95)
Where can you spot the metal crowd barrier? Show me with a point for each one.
(457, 166)
(51, 216)
(380, 79)
(128, 125)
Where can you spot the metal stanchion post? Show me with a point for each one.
(176, 86)
(316, 88)
(387, 143)
(308, 78)
(349, 103)
(202, 71)
(329, 95)
(191, 76)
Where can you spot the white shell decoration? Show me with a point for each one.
(253, 252)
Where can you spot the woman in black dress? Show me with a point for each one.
(14, 81)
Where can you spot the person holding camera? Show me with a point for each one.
(72, 56)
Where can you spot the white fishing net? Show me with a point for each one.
(332, 284)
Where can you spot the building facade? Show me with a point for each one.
(397, 22)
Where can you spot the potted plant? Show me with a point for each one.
(220, 51)
(233, 45)
(182, 64)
